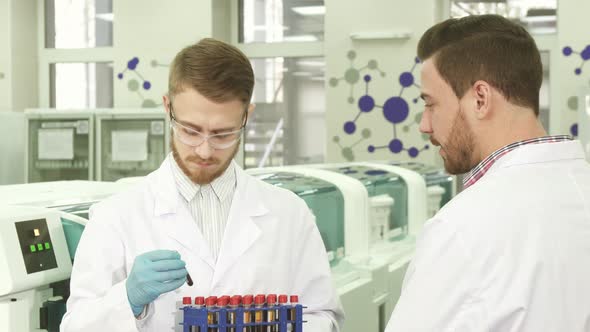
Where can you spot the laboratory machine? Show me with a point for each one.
(75, 197)
(34, 262)
(397, 211)
(584, 120)
(42, 303)
(12, 163)
(440, 186)
(59, 145)
(335, 200)
(130, 142)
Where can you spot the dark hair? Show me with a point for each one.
(489, 48)
(218, 71)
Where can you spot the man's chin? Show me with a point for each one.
(202, 177)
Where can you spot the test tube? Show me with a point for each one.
(186, 301)
(294, 299)
(222, 302)
(199, 303)
(210, 302)
(259, 301)
(283, 303)
(234, 303)
(272, 316)
(247, 302)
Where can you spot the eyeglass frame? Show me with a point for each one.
(206, 137)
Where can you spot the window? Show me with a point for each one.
(81, 85)
(288, 124)
(269, 21)
(283, 39)
(78, 23)
(76, 57)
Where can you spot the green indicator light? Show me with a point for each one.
(47, 245)
(40, 246)
(33, 248)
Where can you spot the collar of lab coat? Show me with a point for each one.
(539, 153)
(174, 218)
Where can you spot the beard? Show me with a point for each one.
(459, 147)
(202, 176)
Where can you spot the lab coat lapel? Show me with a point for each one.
(241, 231)
(171, 215)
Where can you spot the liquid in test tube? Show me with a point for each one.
(210, 302)
(294, 299)
(259, 301)
(247, 302)
(272, 316)
(234, 303)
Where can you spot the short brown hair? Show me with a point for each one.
(489, 48)
(218, 71)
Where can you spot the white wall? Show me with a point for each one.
(24, 54)
(5, 70)
(392, 56)
(573, 32)
(154, 31)
(18, 61)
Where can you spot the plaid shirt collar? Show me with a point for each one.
(482, 168)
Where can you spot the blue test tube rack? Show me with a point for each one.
(197, 317)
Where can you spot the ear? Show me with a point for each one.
(251, 108)
(482, 93)
(166, 103)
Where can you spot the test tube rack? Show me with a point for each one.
(196, 319)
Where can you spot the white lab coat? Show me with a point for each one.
(510, 253)
(271, 245)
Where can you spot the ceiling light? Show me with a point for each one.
(310, 10)
(105, 17)
(301, 73)
(311, 63)
(265, 27)
(300, 38)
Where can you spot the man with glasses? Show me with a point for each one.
(201, 215)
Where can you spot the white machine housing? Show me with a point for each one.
(354, 286)
(81, 120)
(356, 206)
(13, 273)
(388, 260)
(159, 125)
(58, 194)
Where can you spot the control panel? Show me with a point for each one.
(33, 249)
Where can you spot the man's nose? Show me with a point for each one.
(425, 123)
(204, 150)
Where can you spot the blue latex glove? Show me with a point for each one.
(154, 273)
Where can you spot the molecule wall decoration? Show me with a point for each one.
(395, 110)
